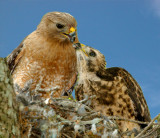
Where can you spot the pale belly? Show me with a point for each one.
(52, 75)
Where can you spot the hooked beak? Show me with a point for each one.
(79, 46)
(71, 35)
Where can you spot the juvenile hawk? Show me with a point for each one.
(47, 54)
(117, 92)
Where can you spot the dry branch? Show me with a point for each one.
(9, 123)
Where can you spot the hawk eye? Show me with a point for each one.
(92, 54)
(59, 26)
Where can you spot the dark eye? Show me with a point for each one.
(59, 26)
(92, 54)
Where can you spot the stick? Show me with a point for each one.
(134, 121)
(147, 127)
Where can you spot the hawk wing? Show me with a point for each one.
(134, 91)
(14, 58)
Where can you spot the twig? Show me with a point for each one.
(87, 98)
(94, 121)
(130, 120)
(90, 115)
(147, 127)
(151, 132)
(66, 135)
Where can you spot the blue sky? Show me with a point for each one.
(127, 32)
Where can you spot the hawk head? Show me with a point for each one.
(90, 59)
(59, 26)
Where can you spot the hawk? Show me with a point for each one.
(47, 55)
(117, 92)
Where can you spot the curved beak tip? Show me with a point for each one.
(77, 46)
(72, 36)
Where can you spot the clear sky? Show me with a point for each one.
(127, 32)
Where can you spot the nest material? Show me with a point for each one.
(67, 118)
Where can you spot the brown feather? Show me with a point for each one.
(117, 92)
(46, 54)
(12, 59)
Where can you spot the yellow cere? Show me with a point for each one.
(84, 50)
(72, 29)
(82, 45)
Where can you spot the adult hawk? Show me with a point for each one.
(47, 55)
(117, 92)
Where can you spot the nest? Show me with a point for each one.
(67, 118)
